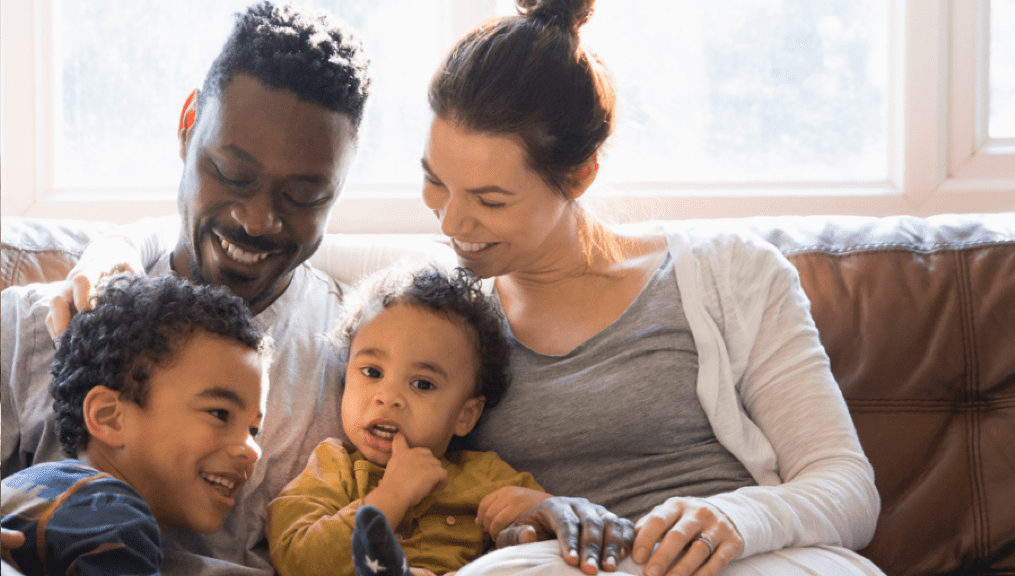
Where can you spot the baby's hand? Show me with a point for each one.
(412, 473)
(505, 505)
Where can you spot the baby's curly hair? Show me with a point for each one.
(455, 294)
(314, 55)
(137, 325)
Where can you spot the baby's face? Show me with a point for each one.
(191, 449)
(411, 371)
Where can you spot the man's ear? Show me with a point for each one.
(469, 415)
(187, 118)
(584, 176)
(104, 415)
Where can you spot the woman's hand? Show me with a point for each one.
(586, 532)
(505, 505)
(686, 526)
(104, 257)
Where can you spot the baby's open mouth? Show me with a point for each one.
(223, 485)
(383, 431)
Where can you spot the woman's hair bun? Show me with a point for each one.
(568, 14)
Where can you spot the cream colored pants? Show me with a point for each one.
(544, 559)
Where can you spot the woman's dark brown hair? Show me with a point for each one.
(529, 76)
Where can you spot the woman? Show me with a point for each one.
(671, 375)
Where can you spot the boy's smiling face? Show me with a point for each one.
(190, 450)
(413, 371)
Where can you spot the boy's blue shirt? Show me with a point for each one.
(77, 520)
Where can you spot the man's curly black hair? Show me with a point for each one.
(455, 294)
(313, 55)
(137, 325)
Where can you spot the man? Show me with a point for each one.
(267, 144)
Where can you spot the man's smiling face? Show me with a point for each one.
(262, 170)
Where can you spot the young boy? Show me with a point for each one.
(425, 353)
(158, 392)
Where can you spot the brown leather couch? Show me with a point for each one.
(918, 317)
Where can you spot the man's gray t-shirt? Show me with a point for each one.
(617, 419)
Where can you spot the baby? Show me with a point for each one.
(158, 392)
(425, 354)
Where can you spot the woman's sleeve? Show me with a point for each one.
(310, 524)
(827, 494)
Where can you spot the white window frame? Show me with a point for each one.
(940, 159)
(974, 159)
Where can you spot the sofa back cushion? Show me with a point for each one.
(42, 250)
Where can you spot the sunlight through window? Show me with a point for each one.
(1001, 123)
(732, 91)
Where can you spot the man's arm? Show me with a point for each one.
(131, 248)
(10, 430)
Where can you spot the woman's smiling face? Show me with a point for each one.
(500, 215)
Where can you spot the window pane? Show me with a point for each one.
(733, 90)
(124, 69)
(1002, 70)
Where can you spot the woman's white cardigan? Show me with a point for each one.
(765, 383)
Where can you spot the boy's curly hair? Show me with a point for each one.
(455, 294)
(137, 325)
(314, 55)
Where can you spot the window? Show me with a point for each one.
(746, 90)
(1001, 123)
(122, 72)
(981, 151)
(758, 106)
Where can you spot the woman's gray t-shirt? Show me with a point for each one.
(616, 420)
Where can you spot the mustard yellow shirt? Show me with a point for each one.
(310, 523)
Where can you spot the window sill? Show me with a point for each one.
(397, 209)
